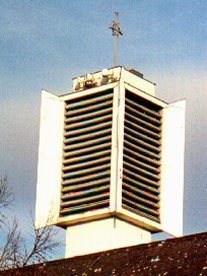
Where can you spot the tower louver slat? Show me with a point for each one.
(141, 157)
(87, 153)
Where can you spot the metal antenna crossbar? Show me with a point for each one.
(116, 31)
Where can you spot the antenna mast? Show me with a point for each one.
(116, 31)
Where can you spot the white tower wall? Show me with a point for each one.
(101, 235)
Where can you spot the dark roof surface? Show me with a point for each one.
(178, 256)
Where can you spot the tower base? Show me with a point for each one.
(102, 235)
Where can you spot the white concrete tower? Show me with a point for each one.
(111, 159)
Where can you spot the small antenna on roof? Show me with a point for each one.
(116, 31)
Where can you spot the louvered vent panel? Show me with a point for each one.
(87, 153)
(141, 164)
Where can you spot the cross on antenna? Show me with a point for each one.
(116, 31)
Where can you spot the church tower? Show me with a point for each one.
(111, 162)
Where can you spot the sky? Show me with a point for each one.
(44, 44)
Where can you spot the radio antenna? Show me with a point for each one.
(116, 31)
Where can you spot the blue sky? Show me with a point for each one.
(44, 44)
